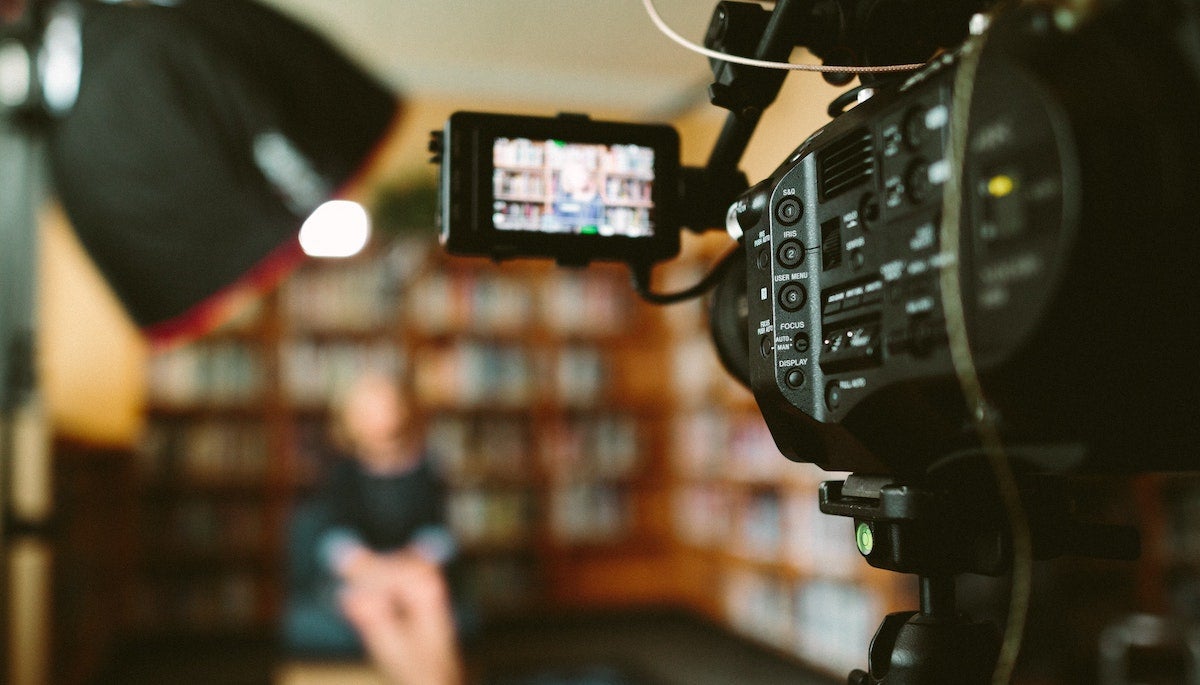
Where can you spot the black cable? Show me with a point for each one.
(641, 280)
(839, 104)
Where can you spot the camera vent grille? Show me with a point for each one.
(846, 163)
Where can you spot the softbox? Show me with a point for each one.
(204, 132)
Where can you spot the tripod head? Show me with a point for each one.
(954, 524)
(942, 526)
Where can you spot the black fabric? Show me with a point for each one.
(384, 511)
(157, 167)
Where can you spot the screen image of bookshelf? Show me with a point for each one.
(528, 179)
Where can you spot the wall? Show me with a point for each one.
(91, 357)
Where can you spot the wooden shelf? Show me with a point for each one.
(192, 563)
(366, 334)
(249, 410)
(486, 549)
(618, 545)
(174, 490)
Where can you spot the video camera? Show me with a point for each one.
(1020, 214)
(1078, 214)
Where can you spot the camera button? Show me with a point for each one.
(801, 343)
(764, 259)
(789, 210)
(833, 395)
(792, 296)
(857, 259)
(794, 378)
(868, 210)
(915, 128)
(916, 180)
(791, 253)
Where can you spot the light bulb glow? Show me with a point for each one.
(15, 76)
(60, 63)
(338, 228)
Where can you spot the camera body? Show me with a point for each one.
(1079, 322)
(1079, 226)
(998, 249)
(567, 188)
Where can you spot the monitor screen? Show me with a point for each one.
(559, 187)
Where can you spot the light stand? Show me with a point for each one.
(24, 513)
(22, 168)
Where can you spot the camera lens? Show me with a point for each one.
(792, 297)
(727, 322)
(791, 253)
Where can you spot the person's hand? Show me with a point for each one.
(400, 606)
(363, 566)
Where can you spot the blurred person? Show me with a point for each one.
(376, 519)
(578, 205)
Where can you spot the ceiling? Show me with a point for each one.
(569, 55)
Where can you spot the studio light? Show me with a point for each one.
(204, 135)
(338, 228)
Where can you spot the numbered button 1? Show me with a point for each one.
(789, 210)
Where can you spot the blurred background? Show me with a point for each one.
(622, 511)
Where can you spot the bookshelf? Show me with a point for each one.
(209, 498)
(1168, 574)
(531, 378)
(92, 545)
(535, 391)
